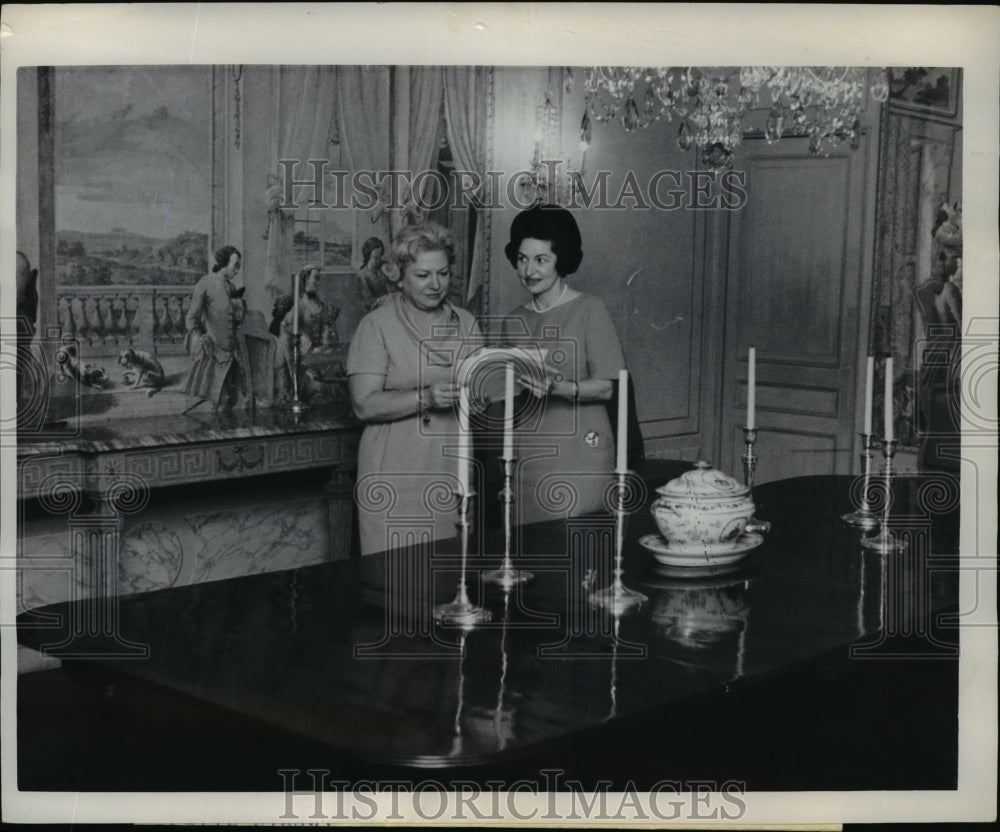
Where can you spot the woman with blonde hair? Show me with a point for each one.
(401, 368)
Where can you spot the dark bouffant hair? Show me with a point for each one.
(556, 226)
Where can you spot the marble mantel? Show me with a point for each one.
(176, 450)
(101, 514)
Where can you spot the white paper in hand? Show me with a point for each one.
(483, 370)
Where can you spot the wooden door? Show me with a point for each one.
(798, 267)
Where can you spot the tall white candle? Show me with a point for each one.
(508, 412)
(464, 446)
(888, 400)
(869, 386)
(752, 388)
(295, 306)
(622, 422)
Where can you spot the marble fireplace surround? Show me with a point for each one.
(128, 506)
(162, 450)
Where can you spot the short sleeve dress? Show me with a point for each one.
(566, 450)
(408, 468)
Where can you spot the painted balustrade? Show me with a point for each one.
(108, 319)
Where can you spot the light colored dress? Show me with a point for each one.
(565, 449)
(408, 468)
(317, 327)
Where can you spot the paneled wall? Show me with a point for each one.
(692, 287)
(798, 272)
(649, 265)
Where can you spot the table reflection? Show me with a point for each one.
(498, 725)
(708, 611)
(348, 653)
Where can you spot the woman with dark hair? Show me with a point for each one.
(372, 283)
(568, 440)
(401, 368)
(218, 356)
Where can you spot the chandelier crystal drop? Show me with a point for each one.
(823, 103)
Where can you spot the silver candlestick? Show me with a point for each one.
(749, 469)
(618, 598)
(864, 518)
(507, 576)
(461, 612)
(885, 542)
(297, 405)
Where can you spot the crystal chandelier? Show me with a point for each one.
(824, 103)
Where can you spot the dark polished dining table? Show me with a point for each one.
(811, 664)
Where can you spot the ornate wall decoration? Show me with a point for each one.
(917, 174)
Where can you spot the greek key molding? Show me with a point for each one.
(181, 464)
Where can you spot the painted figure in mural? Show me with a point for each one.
(317, 323)
(940, 296)
(282, 306)
(27, 296)
(142, 371)
(70, 366)
(401, 368)
(940, 301)
(372, 283)
(947, 233)
(27, 315)
(545, 247)
(219, 362)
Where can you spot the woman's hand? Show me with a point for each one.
(441, 395)
(537, 386)
(554, 383)
(541, 386)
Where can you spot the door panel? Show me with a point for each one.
(667, 332)
(796, 262)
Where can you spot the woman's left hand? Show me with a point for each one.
(540, 386)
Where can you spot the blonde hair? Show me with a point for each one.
(414, 240)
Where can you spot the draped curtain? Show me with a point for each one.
(416, 118)
(465, 98)
(307, 112)
(408, 101)
(363, 102)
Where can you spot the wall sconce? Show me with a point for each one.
(551, 177)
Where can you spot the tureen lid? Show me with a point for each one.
(703, 482)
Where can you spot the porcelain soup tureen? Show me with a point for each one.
(702, 516)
